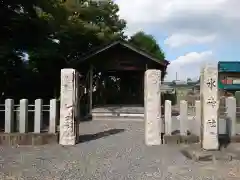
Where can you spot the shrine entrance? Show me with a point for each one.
(113, 76)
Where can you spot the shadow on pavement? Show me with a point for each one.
(90, 137)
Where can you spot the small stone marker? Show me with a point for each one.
(68, 131)
(210, 108)
(53, 116)
(198, 117)
(152, 104)
(231, 114)
(23, 123)
(168, 117)
(38, 115)
(183, 118)
(9, 115)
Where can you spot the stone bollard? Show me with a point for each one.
(23, 122)
(9, 115)
(53, 116)
(183, 118)
(168, 117)
(38, 115)
(198, 118)
(231, 115)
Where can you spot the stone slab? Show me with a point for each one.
(196, 153)
(12, 139)
(235, 139)
(189, 139)
(178, 139)
(171, 139)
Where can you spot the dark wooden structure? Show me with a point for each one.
(114, 74)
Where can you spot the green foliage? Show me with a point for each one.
(148, 43)
(54, 34)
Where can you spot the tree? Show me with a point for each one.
(148, 43)
(55, 34)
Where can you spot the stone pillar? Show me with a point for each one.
(183, 118)
(38, 115)
(168, 117)
(23, 123)
(9, 115)
(67, 107)
(210, 108)
(197, 123)
(90, 89)
(231, 115)
(77, 104)
(152, 107)
(52, 116)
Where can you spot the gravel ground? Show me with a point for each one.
(109, 150)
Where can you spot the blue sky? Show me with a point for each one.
(190, 32)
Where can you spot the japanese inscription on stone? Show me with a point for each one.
(211, 101)
(210, 108)
(212, 123)
(211, 83)
(152, 103)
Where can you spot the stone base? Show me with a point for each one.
(235, 139)
(12, 139)
(189, 139)
(178, 139)
(196, 153)
(171, 139)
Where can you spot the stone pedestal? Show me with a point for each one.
(68, 128)
(152, 104)
(210, 108)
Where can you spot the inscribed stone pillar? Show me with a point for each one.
(68, 130)
(210, 108)
(152, 106)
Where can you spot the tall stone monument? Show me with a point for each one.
(210, 106)
(68, 104)
(152, 106)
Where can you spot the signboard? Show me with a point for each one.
(229, 83)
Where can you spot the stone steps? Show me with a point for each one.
(119, 117)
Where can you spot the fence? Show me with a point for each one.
(189, 118)
(24, 117)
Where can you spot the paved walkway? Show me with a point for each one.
(109, 151)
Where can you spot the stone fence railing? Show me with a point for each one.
(189, 119)
(23, 122)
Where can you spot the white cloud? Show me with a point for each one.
(178, 40)
(184, 20)
(185, 23)
(189, 65)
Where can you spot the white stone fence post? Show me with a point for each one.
(22, 110)
(185, 123)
